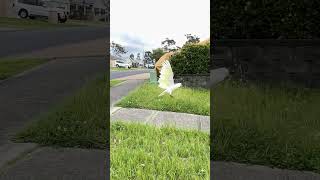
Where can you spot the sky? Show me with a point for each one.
(141, 25)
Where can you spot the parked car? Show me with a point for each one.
(124, 64)
(149, 66)
(38, 8)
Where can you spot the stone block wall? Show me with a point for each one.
(295, 61)
(191, 80)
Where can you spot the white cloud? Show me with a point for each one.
(145, 23)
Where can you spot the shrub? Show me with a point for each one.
(192, 59)
(266, 19)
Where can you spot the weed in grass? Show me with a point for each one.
(187, 100)
(146, 152)
(267, 125)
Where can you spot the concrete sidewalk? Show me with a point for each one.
(237, 171)
(58, 164)
(162, 118)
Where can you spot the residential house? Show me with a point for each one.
(7, 6)
(78, 9)
(90, 9)
(113, 61)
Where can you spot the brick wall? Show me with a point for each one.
(295, 61)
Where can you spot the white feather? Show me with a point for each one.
(166, 79)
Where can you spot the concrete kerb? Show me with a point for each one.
(114, 110)
(13, 152)
(162, 118)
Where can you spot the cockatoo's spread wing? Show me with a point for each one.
(166, 75)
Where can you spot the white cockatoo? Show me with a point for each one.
(166, 79)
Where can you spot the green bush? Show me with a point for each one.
(192, 59)
(265, 19)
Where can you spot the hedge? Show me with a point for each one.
(192, 59)
(265, 19)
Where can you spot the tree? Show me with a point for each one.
(191, 39)
(157, 54)
(169, 45)
(147, 57)
(131, 57)
(118, 49)
(138, 59)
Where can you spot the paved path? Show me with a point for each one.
(21, 42)
(236, 171)
(162, 118)
(59, 164)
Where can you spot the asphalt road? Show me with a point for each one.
(120, 74)
(24, 41)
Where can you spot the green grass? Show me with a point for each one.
(146, 152)
(31, 23)
(187, 100)
(81, 121)
(271, 126)
(10, 67)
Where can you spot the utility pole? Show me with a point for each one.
(84, 9)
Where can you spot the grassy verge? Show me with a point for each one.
(31, 23)
(123, 69)
(146, 152)
(81, 121)
(187, 100)
(86, 23)
(267, 125)
(10, 67)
